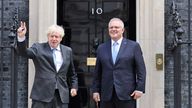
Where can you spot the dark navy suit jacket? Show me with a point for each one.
(126, 75)
(46, 76)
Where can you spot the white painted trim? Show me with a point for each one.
(42, 14)
(150, 35)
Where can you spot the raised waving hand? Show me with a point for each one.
(21, 31)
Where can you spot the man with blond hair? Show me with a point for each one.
(53, 66)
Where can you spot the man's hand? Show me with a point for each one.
(73, 92)
(136, 94)
(21, 31)
(96, 97)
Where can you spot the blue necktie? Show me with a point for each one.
(54, 60)
(114, 51)
(54, 56)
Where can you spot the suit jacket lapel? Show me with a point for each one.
(50, 55)
(121, 49)
(108, 50)
(64, 53)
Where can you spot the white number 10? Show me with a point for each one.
(98, 11)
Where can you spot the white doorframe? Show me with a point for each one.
(150, 35)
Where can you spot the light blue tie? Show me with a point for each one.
(114, 51)
(54, 60)
(54, 56)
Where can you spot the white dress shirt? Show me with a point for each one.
(58, 57)
(119, 43)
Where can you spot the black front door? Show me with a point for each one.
(85, 23)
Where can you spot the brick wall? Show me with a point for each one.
(185, 52)
(6, 64)
(13, 68)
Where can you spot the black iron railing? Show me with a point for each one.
(10, 47)
(176, 47)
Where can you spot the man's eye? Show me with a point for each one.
(116, 27)
(54, 36)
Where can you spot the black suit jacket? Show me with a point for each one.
(126, 75)
(46, 76)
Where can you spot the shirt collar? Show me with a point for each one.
(119, 41)
(57, 48)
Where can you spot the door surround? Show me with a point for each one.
(150, 35)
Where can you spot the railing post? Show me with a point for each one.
(12, 36)
(176, 48)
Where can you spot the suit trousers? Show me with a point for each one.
(55, 103)
(116, 103)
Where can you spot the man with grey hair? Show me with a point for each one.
(119, 77)
(53, 67)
